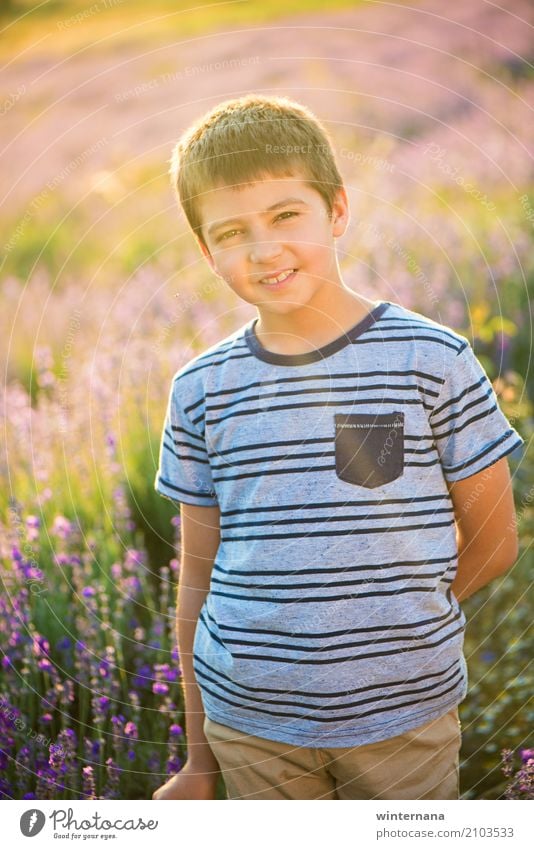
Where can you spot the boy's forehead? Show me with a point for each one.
(251, 198)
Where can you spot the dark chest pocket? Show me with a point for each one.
(369, 448)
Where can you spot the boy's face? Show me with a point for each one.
(269, 228)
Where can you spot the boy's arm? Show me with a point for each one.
(200, 541)
(486, 527)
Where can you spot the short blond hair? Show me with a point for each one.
(247, 139)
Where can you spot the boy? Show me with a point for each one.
(322, 456)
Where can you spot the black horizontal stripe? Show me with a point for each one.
(253, 411)
(325, 635)
(306, 378)
(455, 400)
(469, 406)
(179, 429)
(336, 694)
(299, 470)
(360, 567)
(184, 457)
(390, 387)
(383, 340)
(466, 463)
(341, 532)
(329, 505)
(180, 489)
(214, 363)
(325, 585)
(322, 599)
(257, 446)
(461, 427)
(321, 661)
(341, 646)
(249, 461)
(364, 518)
(420, 324)
(288, 714)
(322, 709)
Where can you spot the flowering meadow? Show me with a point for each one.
(104, 296)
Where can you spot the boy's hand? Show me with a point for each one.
(192, 782)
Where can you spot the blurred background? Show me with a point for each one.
(104, 296)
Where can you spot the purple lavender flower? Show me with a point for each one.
(88, 783)
(111, 790)
(175, 730)
(133, 560)
(160, 688)
(40, 645)
(57, 756)
(103, 704)
(116, 571)
(174, 765)
(32, 527)
(103, 668)
(130, 730)
(61, 527)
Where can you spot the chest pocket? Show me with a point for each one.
(369, 448)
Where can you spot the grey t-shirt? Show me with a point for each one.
(330, 620)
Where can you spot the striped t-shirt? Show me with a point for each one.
(330, 620)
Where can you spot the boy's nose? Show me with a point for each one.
(262, 252)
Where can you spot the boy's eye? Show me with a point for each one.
(227, 235)
(289, 212)
(230, 233)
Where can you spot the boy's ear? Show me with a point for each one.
(340, 213)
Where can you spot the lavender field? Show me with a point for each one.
(104, 296)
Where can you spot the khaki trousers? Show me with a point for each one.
(419, 764)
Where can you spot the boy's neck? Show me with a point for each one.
(311, 327)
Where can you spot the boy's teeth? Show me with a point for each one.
(280, 277)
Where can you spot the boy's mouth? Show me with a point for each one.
(276, 281)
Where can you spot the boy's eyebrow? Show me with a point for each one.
(287, 202)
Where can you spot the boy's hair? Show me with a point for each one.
(247, 139)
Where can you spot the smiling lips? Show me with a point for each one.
(278, 278)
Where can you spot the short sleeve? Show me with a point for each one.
(470, 430)
(184, 473)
